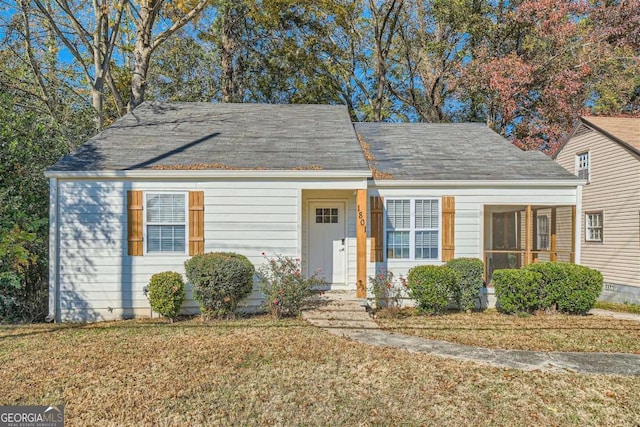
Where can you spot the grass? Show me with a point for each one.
(624, 308)
(261, 372)
(541, 332)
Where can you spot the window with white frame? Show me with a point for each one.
(413, 228)
(166, 227)
(542, 233)
(582, 165)
(593, 229)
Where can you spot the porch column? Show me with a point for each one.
(554, 237)
(534, 234)
(361, 243)
(573, 235)
(528, 229)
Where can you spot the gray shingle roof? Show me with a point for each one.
(237, 136)
(465, 151)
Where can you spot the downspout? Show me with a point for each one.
(54, 290)
(578, 235)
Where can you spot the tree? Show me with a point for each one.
(146, 14)
(28, 145)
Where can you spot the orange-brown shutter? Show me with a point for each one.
(448, 228)
(196, 222)
(376, 208)
(134, 223)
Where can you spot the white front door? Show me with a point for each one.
(326, 243)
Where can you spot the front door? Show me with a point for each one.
(326, 243)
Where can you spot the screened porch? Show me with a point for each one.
(515, 236)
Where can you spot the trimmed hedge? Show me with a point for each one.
(517, 290)
(220, 280)
(166, 293)
(569, 288)
(469, 273)
(430, 286)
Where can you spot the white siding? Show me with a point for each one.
(614, 189)
(98, 280)
(469, 222)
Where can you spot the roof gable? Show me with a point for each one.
(622, 130)
(460, 151)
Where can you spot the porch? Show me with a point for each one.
(518, 235)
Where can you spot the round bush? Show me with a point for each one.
(582, 290)
(517, 290)
(431, 286)
(166, 293)
(568, 287)
(220, 280)
(469, 272)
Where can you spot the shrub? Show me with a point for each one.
(431, 286)
(285, 288)
(517, 290)
(469, 272)
(220, 280)
(166, 293)
(385, 293)
(568, 287)
(583, 289)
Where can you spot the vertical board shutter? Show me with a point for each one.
(376, 207)
(134, 223)
(196, 222)
(448, 228)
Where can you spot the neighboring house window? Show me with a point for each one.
(166, 222)
(413, 227)
(593, 230)
(543, 233)
(582, 165)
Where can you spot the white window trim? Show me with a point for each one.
(586, 227)
(577, 164)
(412, 230)
(144, 223)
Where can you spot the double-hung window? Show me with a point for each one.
(543, 233)
(582, 165)
(413, 228)
(166, 226)
(593, 229)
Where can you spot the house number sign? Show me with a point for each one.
(361, 218)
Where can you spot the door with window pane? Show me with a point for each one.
(326, 244)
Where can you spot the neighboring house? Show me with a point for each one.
(605, 151)
(168, 181)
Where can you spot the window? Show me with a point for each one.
(413, 229)
(593, 230)
(165, 222)
(582, 165)
(543, 233)
(326, 215)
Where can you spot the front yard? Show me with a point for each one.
(540, 332)
(261, 372)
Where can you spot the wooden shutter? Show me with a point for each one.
(134, 223)
(448, 227)
(196, 222)
(376, 207)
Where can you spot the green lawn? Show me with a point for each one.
(624, 308)
(261, 372)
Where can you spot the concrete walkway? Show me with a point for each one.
(342, 314)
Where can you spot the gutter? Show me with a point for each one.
(478, 183)
(209, 173)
